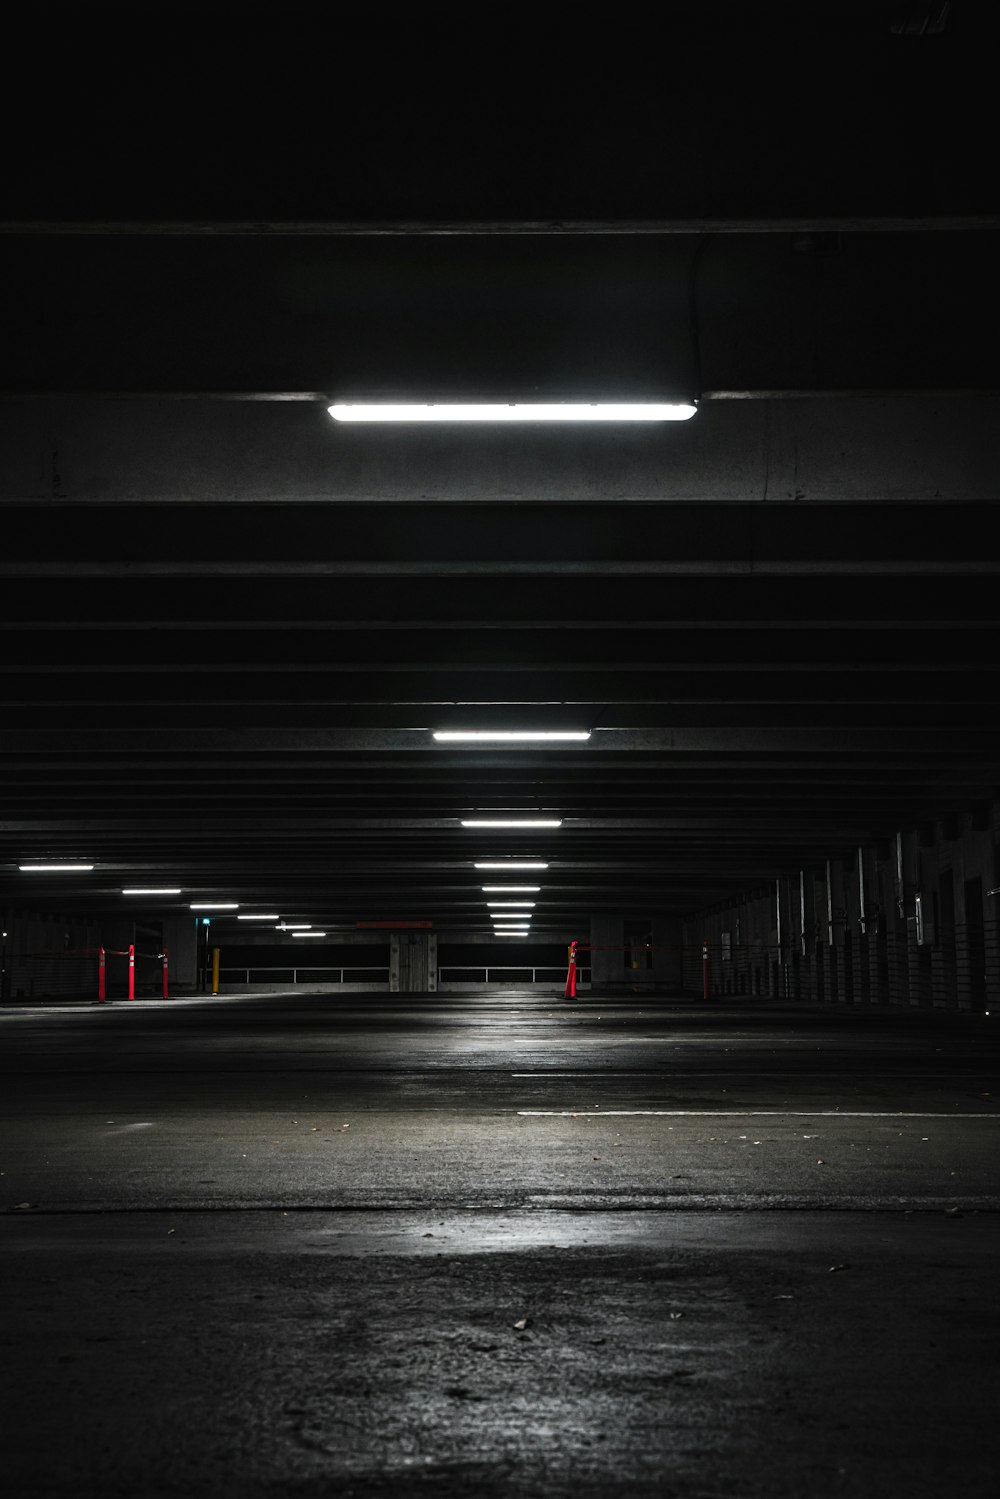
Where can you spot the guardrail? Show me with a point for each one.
(317, 975)
(458, 974)
(519, 973)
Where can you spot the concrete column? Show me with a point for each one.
(180, 938)
(606, 967)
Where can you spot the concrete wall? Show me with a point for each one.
(908, 921)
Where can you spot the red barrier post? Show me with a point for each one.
(570, 990)
(166, 988)
(704, 970)
(101, 986)
(131, 970)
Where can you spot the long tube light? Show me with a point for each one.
(509, 864)
(273, 916)
(214, 905)
(513, 889)
(511, 822)
(514, 411)
(141, 890)
(54, 868)
(510, 736)
(510, 905)
(308, 934)
(293, 926)
(513, 933)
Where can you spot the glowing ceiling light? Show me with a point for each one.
(273, 916)
(308, 934)
(54, 868)
(214, 905)
(509, 864)
(293, 926)
(141, 890)
(511, 822)
(510, 905)
(513, 411)
(513, 889)
(510, 736)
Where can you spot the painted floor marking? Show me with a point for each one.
(742, 1114)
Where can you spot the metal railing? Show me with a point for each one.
(316, 975)
(505, 973)
(491, 973)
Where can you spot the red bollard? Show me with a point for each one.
(101, 990)
(570, 990)
(166, 992)
(704, 970)
(131, 970)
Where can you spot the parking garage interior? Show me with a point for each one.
(500, 958)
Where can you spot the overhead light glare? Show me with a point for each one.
(512, 822)
(215, 905)
(273, 916)
(54, 868)
(509, 864)
(513, 932)
(293, 926)
(308, 934)
(510, 736)
(141, 890)
(514, 411)
(513, 889)
(510, 905)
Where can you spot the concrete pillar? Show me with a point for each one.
(180, 938)
(606, 967)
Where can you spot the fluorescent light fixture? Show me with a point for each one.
(514, 411)
(293, 926)
(509, 864)
(215, 905)
(53, 868)
(272, 917)
(510, 736)
(514, 932)
(308, 934)
(140, 890)
(512, 822)
(510, 905)
(513, 889)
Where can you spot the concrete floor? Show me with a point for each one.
(310, 1245)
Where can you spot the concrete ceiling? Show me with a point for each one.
(228, 625)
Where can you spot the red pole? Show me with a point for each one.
(570, 990)
(101, 991)
(166, 991)
(704, 970)
(131, 970)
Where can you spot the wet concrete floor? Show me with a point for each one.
(334, 1245)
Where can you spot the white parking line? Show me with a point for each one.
(740, 1114)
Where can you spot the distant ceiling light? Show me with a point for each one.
(272, 917)
(293, 926)
(140, 890)
(509, 736)
(515, 411)
(53, 868)
(512, 822)
(215, 905)
(509, 864)
(513, 889)
(510, 905)
(308, 934)
(513, 932)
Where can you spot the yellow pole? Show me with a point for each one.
(215, 970)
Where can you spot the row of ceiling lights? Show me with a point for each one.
(514, 910)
